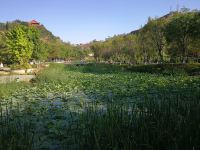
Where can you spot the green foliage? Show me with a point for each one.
(2, 46)
(155, 29)
(102, 106)
(39, 49)
(167, 69)
(19, 44)
(143, 45)
(172, 38)
(45, 46)
(181, 30)
(99, 106)
(10, 88)
(117, 49)
(23, 44)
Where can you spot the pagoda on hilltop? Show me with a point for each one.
(34, 23)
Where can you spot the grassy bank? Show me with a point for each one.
(100, 106)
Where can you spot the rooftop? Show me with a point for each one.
(34, 22)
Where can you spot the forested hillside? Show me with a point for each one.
(44, 45)
(173, 38)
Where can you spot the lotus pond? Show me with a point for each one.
(104, 107)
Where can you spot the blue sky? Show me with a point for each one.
(80, 21)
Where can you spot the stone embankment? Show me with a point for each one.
(16, 78)
(7, 75)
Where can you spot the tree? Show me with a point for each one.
(39, 48)
(2, 47)
(96, 48)
(156, 33)
(143, 45)
(129, 48)
(19, 45)
(180, 32)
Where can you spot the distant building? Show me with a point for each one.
(91, 54)
(1, 65)
(34, 23)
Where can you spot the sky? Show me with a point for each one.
(81, 21)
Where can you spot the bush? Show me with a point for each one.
(18, 66)
(167, 69)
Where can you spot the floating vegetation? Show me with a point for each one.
(74, 107)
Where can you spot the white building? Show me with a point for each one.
(91, 54)
(1, 65)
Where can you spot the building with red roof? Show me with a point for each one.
(34, 23)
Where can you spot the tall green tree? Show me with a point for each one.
(144, 49)
(155, 29)
(180, 31)
(39, 47)
(97, 49)
(2, 46)
(19, 45)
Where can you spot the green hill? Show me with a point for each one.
(53, 47)
(172, 38)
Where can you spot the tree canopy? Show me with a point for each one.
(174, 37)
(21, 43)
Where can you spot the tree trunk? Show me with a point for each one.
(184, 56)
(161, 56)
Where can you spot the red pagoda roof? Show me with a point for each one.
(34, 22)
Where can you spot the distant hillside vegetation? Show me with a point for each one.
(53, 47)
(172, 38)
(45, 34)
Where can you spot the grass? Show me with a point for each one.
(99, 106)
(7, 89)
